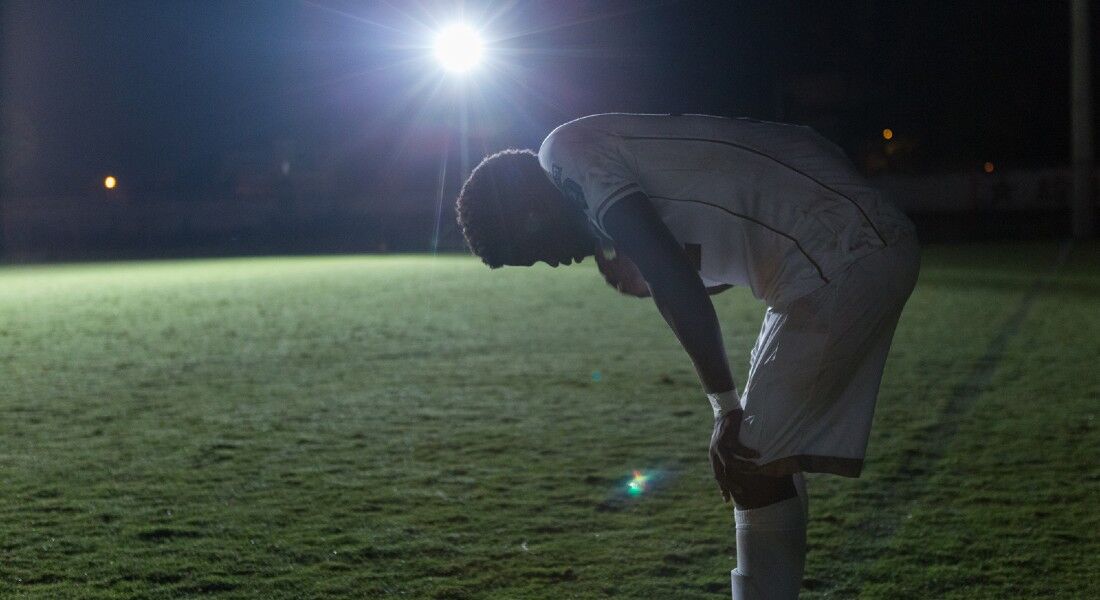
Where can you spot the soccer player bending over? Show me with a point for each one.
(674, 207)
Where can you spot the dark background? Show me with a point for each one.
(242, 127)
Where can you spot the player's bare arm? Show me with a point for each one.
(682, 299)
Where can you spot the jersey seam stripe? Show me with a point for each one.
(605, 204)
(820, 273)
(773, 159)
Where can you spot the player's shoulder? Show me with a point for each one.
(595, 122)
(577, 131)
(601, 135)
(615, 123)
(671, 125)
(572, 140)
(593, 135)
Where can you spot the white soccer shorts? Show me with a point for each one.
(817, 366)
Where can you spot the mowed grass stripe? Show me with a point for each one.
(1008, 510)
(959, 404)
(949, 343)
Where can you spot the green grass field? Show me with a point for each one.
(418, 427)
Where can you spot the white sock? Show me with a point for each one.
(771, 551)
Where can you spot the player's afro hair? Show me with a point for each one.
(499, 190)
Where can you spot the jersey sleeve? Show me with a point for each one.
(590, 167)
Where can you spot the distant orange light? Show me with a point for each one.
(987, 167)
(110, 182)
(887, 134)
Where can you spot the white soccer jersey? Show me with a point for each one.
(772, 206)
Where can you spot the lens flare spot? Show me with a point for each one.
(637, 484)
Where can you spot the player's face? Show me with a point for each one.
(551, 231)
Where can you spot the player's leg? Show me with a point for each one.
(771, 509)
(808, 403)
(770, 513)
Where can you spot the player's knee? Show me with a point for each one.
(757, 491)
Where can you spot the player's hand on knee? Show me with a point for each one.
(728, 456)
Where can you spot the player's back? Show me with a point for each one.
(773, 206)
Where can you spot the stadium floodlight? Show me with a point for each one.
(458, 47)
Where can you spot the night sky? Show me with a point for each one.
(171, 95)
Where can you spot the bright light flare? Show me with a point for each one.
(458, 48)
(110, 182)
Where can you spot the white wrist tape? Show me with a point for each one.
(724, 402)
